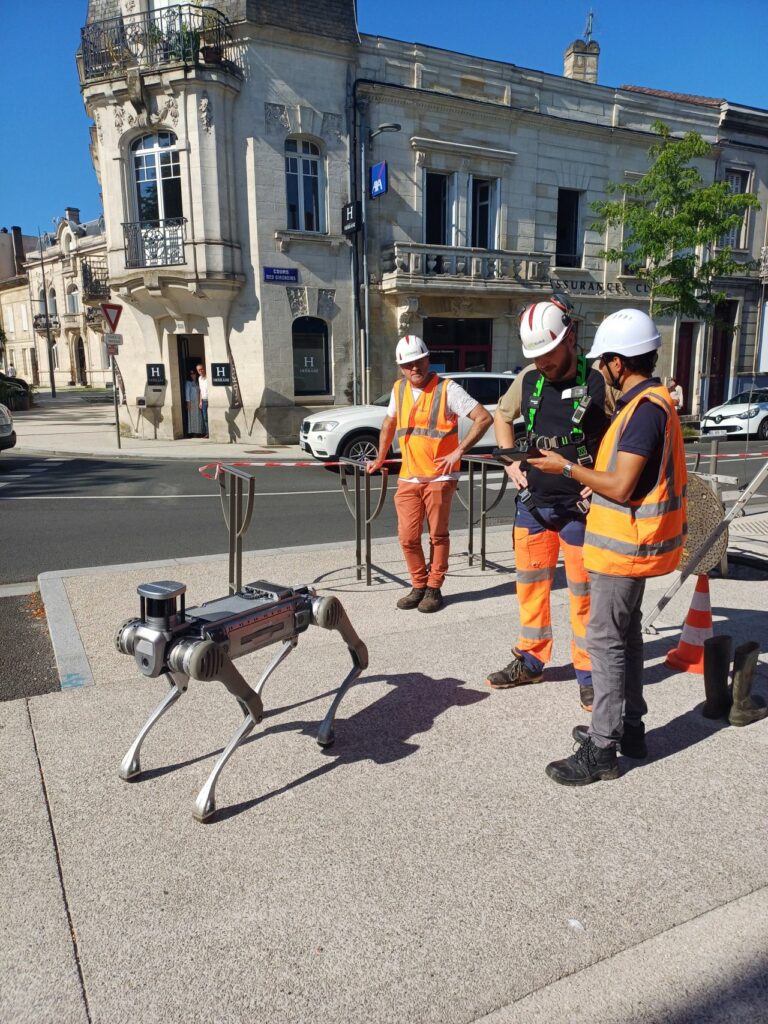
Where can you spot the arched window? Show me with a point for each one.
(53, 309)
(311, 362)
(73, 299)
(304, 185)
(157, 176)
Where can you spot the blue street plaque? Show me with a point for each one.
(379, 179)
(285, 275)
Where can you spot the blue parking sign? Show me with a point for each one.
(379, 181)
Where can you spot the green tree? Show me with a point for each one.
(673, 223)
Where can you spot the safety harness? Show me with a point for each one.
(581, 403)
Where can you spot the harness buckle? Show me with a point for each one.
(583, 505)
(544, 443)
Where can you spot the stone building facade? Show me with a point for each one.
(229, 141)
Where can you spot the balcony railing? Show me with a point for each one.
(95, 284)
(41, 322)
(182, 34)
(409, 260)
(155, 243)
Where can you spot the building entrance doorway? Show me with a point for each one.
(82, 376)
(458, 343)
(720, 360)
(191, 352)
(684, 362)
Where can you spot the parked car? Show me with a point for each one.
(7, 433)
(745, 413)
(353, 431)
(14, 391)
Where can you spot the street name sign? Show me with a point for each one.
(113, 339)
(285, 275)
(111, 312)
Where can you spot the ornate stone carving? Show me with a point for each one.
(206, 114)
(129, 6)
(297, 299)
(333, 128)
(420, 157)
(326, 305)
(169, 109)
(276, 117)
(119, 118)
(459, 307)
(407, 313)
(97, 122)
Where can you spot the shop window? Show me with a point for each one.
(304, 185)
(311, 357)
(567, 247)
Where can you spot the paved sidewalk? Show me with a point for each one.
(423, 869)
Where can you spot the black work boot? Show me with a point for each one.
(632, 743)
(589, 763)
(413, 599)
(432, 600)
(745, 709)
(717, 666)
(586, 697)
(516, 673)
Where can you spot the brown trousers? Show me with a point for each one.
(413, 502)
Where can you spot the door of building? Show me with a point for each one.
(684, 362)
(456, 343)
(191, 351)
(82, 377)
(720, 359)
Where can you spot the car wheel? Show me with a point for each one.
(762, 430)
(362, 446)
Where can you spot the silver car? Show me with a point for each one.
(7, 433)
(744, 414)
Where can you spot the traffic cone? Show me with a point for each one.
(688, 656)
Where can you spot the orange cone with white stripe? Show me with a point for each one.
(688, 656)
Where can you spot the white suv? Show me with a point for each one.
(352, 431)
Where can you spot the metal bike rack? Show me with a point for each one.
(360, 509)
(486, 463)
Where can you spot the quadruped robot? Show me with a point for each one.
(203, 642)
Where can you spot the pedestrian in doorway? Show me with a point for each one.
(676, 394)
(11, 370)
(424, 411)
(565, 405)
(636, 529)
(202, 384)
(194, 415)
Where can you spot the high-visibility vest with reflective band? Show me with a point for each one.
(425, 430)
(646, 537)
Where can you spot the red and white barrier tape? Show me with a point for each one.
(275, 465)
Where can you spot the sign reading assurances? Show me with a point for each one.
(111, 311)
(221, 374)
(285, 275)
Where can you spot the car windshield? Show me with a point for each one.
(745, 397)
(383, 399)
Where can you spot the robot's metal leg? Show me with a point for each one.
(205, 804)
(325, 735)
(131, 763)
(328, 613)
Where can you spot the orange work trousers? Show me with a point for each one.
(536, 554)
(413, 503)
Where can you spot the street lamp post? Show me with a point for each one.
(47, 320)
(370, 135)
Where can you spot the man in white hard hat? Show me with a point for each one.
(424, 411)
(636, 529)
(565, 406)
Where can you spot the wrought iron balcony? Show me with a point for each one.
(182, 34)
(406, 264)
(94, 318)
(95, 283)
(41, 322)
(155, 243)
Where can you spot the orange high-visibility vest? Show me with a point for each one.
(640, 538)
(425, 430)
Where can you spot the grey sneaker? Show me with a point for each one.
(412, 600)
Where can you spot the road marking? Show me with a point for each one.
(144, 497)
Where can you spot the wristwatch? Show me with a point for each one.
(568, 471)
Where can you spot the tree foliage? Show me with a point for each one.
(673, 224)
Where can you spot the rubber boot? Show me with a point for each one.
(745, 710)
(717, 668)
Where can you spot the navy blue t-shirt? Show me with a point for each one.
(644, 435)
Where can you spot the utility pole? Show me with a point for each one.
(47, 318)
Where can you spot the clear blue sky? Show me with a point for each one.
(708, 47)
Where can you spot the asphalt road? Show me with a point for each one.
(58, 513)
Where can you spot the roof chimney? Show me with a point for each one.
(72, 213)
(18, 250)
(580, 61)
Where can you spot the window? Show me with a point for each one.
(9, 324)
(567, 247)
(739, 182)
(53, 309)
(55, 356)
(24, 318)
(73, 300)
(304, 186)
(482, 231)
(437, 225)
(484, 389)
(158, 178)
(311, 365)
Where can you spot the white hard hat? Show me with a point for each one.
(409, 349)
(542, 327)
(627, 332)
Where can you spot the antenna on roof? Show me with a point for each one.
(588, 26)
